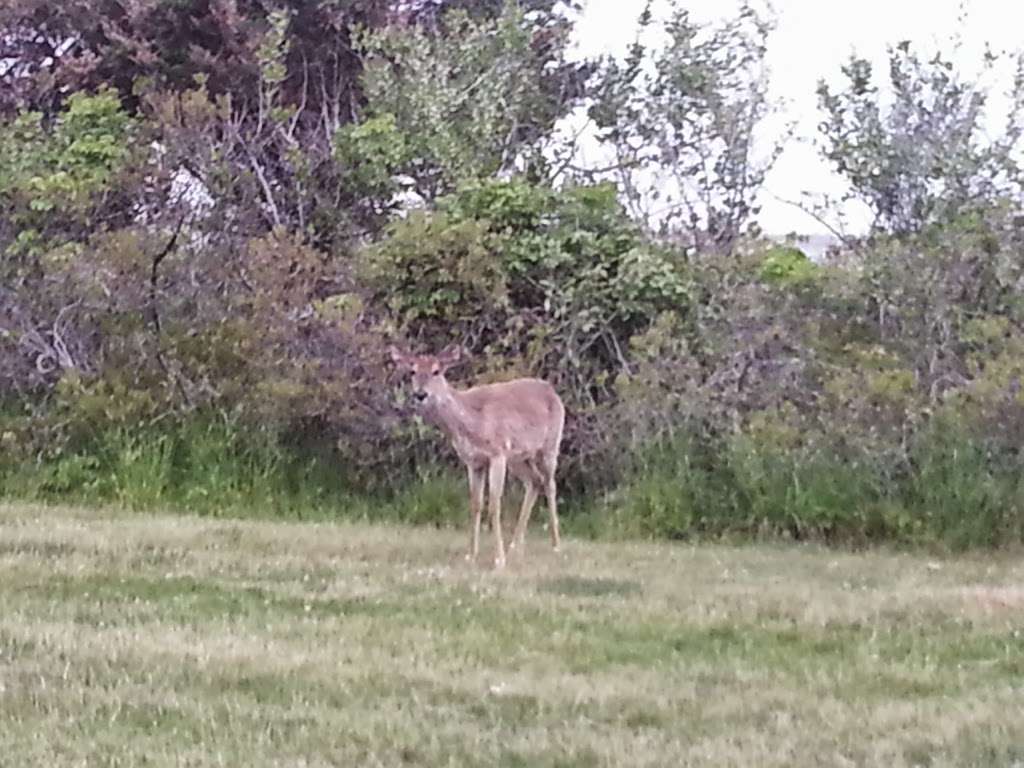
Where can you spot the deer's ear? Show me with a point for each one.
(397, 357)
(450, 355)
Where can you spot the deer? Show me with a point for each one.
(512, 427)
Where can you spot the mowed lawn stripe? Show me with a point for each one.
(172, 640)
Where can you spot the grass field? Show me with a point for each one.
(129, 640)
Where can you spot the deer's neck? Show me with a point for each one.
(451, 414)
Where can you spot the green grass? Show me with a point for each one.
(128, 639)
(954, 491)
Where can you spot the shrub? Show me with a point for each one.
(785, 264)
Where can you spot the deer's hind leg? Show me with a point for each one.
(548, 465)
(532, 484)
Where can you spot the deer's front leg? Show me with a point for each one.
(476, 505)
(497, 486)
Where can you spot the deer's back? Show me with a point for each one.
(520, 416)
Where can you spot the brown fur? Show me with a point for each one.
(511, 427)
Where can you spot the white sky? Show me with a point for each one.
(812, 40)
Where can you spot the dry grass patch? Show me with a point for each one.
(129, 640)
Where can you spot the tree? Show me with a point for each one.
(462, 97)
(284, 79)
(916, 153)
(682, 123)
(56, 48)
(261, 88)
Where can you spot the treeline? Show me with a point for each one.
(214, 217)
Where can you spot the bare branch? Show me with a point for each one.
(268, 193)
(847, 240)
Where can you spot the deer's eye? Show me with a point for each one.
(436, 371)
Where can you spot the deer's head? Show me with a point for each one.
(427, 372)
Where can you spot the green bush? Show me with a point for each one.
(207, 465)
(956, 495)
(787, 265)
(213, 465)
(674, 490)
(548, 282)
(68, 168)
(964, 492)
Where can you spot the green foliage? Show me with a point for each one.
(372, 153)
(831, 413)
(66, 167)
(80, 156)
(205, 465)
(432, 497)
(673, 490)
(801, 492)
(557, 279)
(462, 97)
(956, 495)
(787, 265)
(962, 492)
(272, 52)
